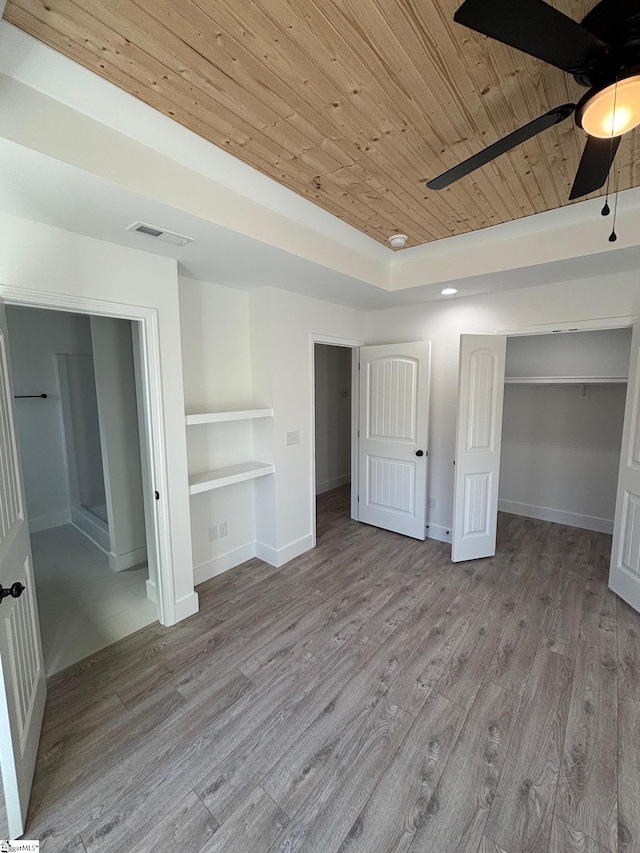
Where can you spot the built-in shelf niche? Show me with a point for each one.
(218, 478)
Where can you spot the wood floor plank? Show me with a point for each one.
(487, 845)
(521, 815)
(562, 623)
(599, 621)
(324, 819)
(628, 651)
(255, 826)
(464, 674)
(629, 775)
(455, 816)
(306, 733)
(397, 806)
(187, 826)
(423, 668)
(567, 839)
(588, 786)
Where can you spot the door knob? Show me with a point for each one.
(15, 591)
(419, 452)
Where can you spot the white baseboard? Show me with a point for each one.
(152, 591)
(571, 519)
(283, 555)
(438, 532)
(328, 485)
(186, 607)
(120, 562)
(46, 522)
(92, 527)
(223, 563)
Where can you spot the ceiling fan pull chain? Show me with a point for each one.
(606, 210)
(613, 236)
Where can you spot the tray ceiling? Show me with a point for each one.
(350, 103)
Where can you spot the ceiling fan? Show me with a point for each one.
(602, 52)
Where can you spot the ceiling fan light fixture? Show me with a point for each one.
(611, 111)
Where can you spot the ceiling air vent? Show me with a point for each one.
(160, 234)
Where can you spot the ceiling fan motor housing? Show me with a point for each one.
(617, 23)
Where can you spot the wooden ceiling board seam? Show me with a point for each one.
(365, 139)
(400, 155)
(152, 99)
(357, 134)
(480, 178)
(401, 206)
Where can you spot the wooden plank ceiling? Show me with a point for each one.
(350, 103)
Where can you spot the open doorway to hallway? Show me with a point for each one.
(333, 432)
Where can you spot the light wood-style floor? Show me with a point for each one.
(370, 696)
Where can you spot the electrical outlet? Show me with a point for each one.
(292, 437)
(222, 527)
(213, 533)
(432, 503)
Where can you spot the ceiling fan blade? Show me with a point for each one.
(597, 159)
(535, 28)
(533, 128)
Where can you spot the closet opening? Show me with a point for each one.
(334, 435)
(562, 425)
(87, 479)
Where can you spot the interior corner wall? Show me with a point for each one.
(35, 337)
(443, 322)
(284, 324)
(333, 417)
(38, 260)
(216, 358)
(120, 440)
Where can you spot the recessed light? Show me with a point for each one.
(448, 291)
(398, 240)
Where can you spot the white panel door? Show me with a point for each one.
(624, 575)
(477, 461)
(22, 680)
(394, 426)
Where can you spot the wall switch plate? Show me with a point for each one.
(222, 527)
(432, 503)
(292, 437)
(213, 533)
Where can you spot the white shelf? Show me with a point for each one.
(228, 415)
(220, 477)
(565, 380)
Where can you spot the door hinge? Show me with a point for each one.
(358, 433)
(358, 499)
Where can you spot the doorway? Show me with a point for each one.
(77, 410)
(333, 451)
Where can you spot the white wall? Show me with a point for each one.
(602, 352)
(333, 417)
(282, 325)
(38, 260)
(35, 337)
(217, 375)
(444, 322)
(561, 453)
(120, 440)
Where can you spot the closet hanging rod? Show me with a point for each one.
(29, 396)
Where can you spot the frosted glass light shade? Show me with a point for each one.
(598, 117)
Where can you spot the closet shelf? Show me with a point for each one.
(228, 415)
(220, 477)
(565, 380)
